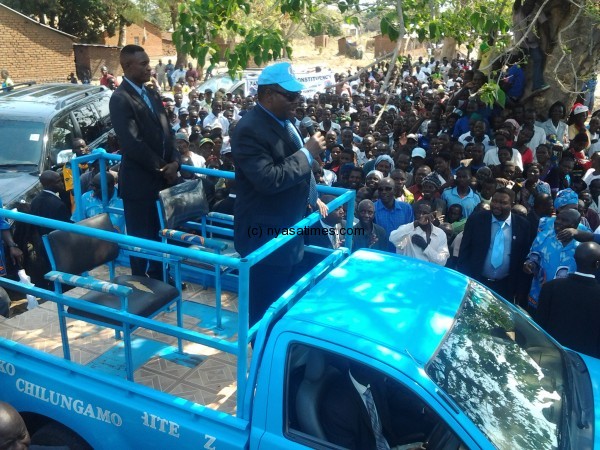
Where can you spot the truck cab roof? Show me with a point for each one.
(403, 304)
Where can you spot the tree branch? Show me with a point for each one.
(525, 34)
(564, 54)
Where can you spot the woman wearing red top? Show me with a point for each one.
(524, 137)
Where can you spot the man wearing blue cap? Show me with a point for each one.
(273, 182)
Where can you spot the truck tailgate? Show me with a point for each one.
(96, 405)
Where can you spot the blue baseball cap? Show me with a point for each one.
(281, 74)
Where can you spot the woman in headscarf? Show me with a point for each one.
(384, 164)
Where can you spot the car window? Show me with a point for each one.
(504, 373)
(62, 132)
(326, 406)
(101, 104)
(21, 142)
(87, 119)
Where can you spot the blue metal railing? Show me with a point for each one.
(243, 265)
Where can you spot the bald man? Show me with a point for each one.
(13, 432)
(569, 308)
(48, 203)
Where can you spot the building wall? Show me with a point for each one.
(26, 43)
(168, 49)
(92, 57)
(383, 45)
(151, 40)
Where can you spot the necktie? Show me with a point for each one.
(295, 137)
(147, 99)
(498, 248)
(380, 442)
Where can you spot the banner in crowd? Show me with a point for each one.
(313, 81)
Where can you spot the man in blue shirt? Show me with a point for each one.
(17, 258)
(389, 212)
(91, 202)
(462, 194)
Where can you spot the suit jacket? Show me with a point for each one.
(49, 206)
(346, 421)
(569, 310)
(476, 241)
(361, 239)
(146, 139)
(272, 184)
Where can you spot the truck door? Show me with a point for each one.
(314, 402)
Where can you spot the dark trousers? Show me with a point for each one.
(267, 284)
(4, 303)
(504, 287)
(537, 61)
(141, 219)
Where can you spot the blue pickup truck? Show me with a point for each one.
(462, 368)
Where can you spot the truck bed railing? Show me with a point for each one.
(239, 348)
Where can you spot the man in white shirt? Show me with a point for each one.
(539, 135)
(421, 239)
(178, 74)
(420, 75)
(216, 118)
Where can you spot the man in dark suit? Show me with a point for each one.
(325, 233)
(364, 411)
(366, 233)
(150, 160)
(494, 246)
(569, 308)
(48, 203)
(273, 181)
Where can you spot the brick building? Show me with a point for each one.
(89, 58)
(28, 43)
(168, 46)
(147, 35)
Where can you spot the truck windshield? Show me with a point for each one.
(21, 143)
(506, 376)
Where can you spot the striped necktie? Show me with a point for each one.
(380, 442)
(295, 137)
(147, 99)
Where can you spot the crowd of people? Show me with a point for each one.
(503, 194)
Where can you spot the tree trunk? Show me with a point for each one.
(448, 49)
(571, 43)
(174, 12)
(122, 42)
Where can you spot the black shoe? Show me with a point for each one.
(171, 281)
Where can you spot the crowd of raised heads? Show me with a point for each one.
(429, 120)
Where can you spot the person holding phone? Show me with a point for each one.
(421, 239)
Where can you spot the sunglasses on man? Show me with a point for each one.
(291, 97)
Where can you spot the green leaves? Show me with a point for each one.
(389, 26)
(491, 93)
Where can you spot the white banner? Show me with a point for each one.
(313, 81)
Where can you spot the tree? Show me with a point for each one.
(571, 54)
(171, 8)
(202, 22)
(86, 19)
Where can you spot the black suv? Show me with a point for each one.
(37, 122)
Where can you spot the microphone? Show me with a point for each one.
(307, 123)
